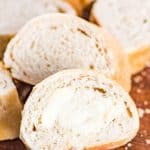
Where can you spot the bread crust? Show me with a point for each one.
(112, 145)
(4, 40)
(122, 75)
(139, 58)
(79, 5)
(10, 107)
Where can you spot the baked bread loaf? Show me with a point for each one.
(54, 42)
(14, 14)
(129, 21)
(10, 107)
(78, 109)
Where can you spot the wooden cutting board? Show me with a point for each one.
(140, 92)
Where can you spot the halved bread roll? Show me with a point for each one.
(129, 21)
(54, 42)
(78, 109)
(10, 107)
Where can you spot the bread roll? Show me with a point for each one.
(53, 42)
(129, 21)
(10, 107)
(78, 109)
(14, 14)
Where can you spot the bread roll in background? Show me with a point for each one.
(10, 107)
(78, 109)
(53, 42)
(129, 21)
(15, 13)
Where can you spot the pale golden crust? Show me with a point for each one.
(10, 118)
(139, 58)
(123, 70)
(10, 107)
(4, 40)
(79, 5)
(109, 145)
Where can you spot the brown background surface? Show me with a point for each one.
(140, 92)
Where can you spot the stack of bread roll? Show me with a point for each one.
(80, 71)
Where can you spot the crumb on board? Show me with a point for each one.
(147, 111)
(141, 112)
(147, 141)
(141, 135)
(145, 102)
(129, 145)
(144, 132)
(138, 79)
(139, 90)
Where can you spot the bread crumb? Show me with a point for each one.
(139, 90)
(147, 141)
(147, 111)
(144, 132)
(138, 79)
(141, 112)
(141, 135)
(129, 144)
(145, 102)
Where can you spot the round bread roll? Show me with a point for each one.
(10, 107)
(78, 109)
(129, 21)
(54, 42)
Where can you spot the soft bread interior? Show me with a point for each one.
(10, 108)
(128, 20)
(78, 109)
(120, 17)
(14, 14)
